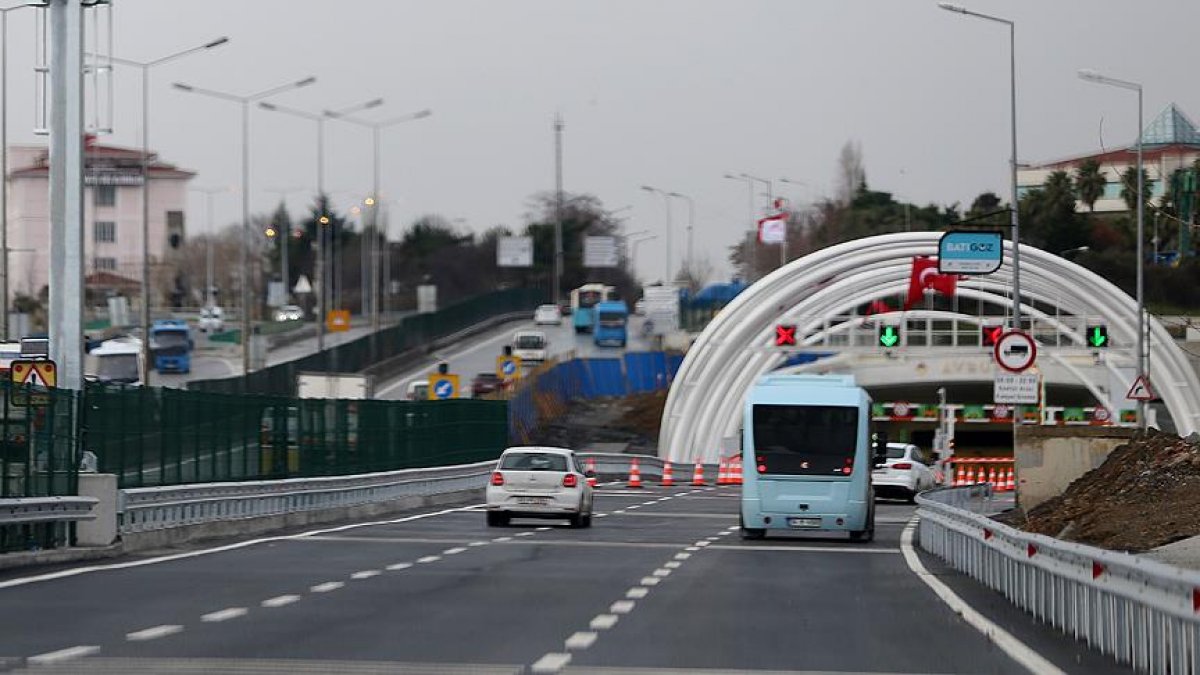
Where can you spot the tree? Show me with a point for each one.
(1129, 187)
(1090, 183)
(852, 177)
(986, 202)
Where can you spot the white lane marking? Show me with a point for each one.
(662, 572)
(396, 567)
(682, 494)
(672, 565)
(710, 538)
(62, 655)
(477, 543)
(154, 632)
(502, 539)
(805, 549)
(544, 529)
(619, 511)
(280, 600)
(550, 663)
(652, 502)
(637, 593)
(692, 549)
(622, 607)
(650, 581)
(223, 615)
(580, 640)
(221, 549)
(682, 556)
(702, 544)
(599, 515)
(365, 574)
(429, 559)
(524, 534)
(1017, 650)
(327, 586)
(603, 621)
(732, 528)
(724, 533)
(664, 499)
(633, 506)
(453, 551)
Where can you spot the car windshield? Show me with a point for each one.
(896, 451)
(117, 368)
(168, 339)
(530, 342)
(533, 461)
(805, 439)
(612, 319)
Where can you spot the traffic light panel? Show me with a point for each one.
(889, 335)
(1097, 336)
(990, 335)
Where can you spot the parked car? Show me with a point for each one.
(212, 320)
(539, 482)
(289, 313)
(547, 314)
(906, 471)
(485, 383)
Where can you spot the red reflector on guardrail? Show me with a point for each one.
(1031, 550)
(987, 534)
(1097, 570)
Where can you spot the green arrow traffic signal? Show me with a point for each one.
(889, 336)
(1097, 336)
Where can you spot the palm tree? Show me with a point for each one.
(1060, 192)
(1129, 187)
(1089, 183)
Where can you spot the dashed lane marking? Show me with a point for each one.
(365, 574)
(428, 559)
(224, 615)
(544, 529)
(672, 565)
(153, 633)
(550, 663)
(453, 551)
(650, 581)
(477, 543)
(637, 592)
(603, 622)
(682, 556)
(523, 534)
(62, 655)
(662, 572)
(502, 539)
(396, 567)
(633, 506)
(622, 607)
(280, 600)
(580, 640)
(327, 586)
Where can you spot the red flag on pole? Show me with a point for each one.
(925, 275)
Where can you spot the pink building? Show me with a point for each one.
(112, 219)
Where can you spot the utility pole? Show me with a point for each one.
(558, 209)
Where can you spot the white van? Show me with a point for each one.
(116, 361)
(530, 346)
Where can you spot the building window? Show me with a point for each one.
(105, 264)
(174, 228)
(106, 195)
(105, 232)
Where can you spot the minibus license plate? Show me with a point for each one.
(540, 501)
(804, 522)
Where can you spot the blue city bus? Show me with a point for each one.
(612, 318)
(808, 450)
(171, 346)
(583, 300)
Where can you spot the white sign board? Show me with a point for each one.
(276, 294)
(426, 299)
(1015, 351)
(1016, 388)
(662, 309)
(600, 252)
(514, 252)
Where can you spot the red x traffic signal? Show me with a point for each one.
(785, 335)
(989, 335)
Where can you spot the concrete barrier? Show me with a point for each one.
(1048, 459)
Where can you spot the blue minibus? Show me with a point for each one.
(808, 451)
(611, 325)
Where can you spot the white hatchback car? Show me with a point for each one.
(539, 482)
(905, 473)
(547, 314)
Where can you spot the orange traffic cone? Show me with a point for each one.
(992, 478)
(698, 474)
(1009, 482)
(970, 475)
(668, 476)
(591, 471)
(635, 475)
(735, 471)
(722, 471)
(960, 476)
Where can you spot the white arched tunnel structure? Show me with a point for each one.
(704, 403)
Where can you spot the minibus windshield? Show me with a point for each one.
(812, 440)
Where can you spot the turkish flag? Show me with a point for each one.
(925, 275)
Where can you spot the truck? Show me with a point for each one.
(612, 318)
(530, 346)
(171, 346)
(334, 385)
(115, 361)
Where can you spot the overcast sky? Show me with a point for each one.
(670, 93)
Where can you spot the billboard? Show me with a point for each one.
(600, 252)
(514, 252)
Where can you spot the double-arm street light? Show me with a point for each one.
(322, 217)
(244, 102)
(633, 242)
(1012, 73)
(1093, 76)
(691, 224)
(371, 264)
(145, 67)
(666, 200)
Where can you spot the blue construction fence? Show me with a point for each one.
(547, 392)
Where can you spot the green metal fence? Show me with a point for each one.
(153, 437)
(411, 332)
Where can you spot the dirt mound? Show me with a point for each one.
(1145, 495)
(631, 421)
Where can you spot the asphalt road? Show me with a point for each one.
(478, 354)
(660, 584)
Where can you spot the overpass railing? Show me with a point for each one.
(1139, 611)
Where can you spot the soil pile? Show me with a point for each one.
(632, 421)
(1145, 495)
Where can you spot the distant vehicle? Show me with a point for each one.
(639, 307)
(807, 439)
(212, 320)
(547, 314)
(115, 361)
(171, 346)
(530, 346)
(334, 385)
(485, 383)
(612, 319)
(418, 390)
(583, 299)
(539, 482)
(289, 313)
(905, 473)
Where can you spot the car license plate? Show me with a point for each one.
(804, 522)
(540, 501)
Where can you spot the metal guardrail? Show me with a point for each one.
(23, 510)
(158, 508)
(1141, 612)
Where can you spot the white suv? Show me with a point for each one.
(539, 482)
(906, 472)
(212, 320)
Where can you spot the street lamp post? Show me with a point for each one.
(244, 102)
(666, 200)
(691, 224)
(209, 300)
(145, 67)
(1093, 76)
(285, 243)
(633, 247)
(371, 267)
(752, 269)
(4, 251)
(1012, 63)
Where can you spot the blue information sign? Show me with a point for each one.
(961, 252)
